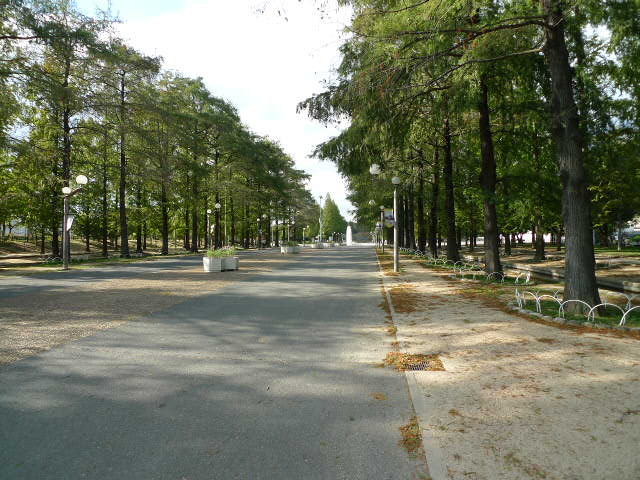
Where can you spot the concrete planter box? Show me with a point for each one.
(317, 245)
(287, 250)
(230, 263)
(212, 264)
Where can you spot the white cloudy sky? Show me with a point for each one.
(260, 62)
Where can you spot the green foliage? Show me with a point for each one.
(160, 144)
(221, 252)
(333, 221)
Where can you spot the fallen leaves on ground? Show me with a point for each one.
(411, 437)
(405, 361)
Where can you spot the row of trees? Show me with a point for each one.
(500, 116)
(160, 149)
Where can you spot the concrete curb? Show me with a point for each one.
(435, 465)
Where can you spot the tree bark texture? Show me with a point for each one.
(124, 233)
(450, 210)
(139, 223)
(422, 225)
(105, 212)
(580, 277)
(195, 224)
(435, 201)
(539, 255)
(488, 182)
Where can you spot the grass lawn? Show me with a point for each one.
(625, 252)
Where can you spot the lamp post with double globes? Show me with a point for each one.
(396, 254)
(67, 220)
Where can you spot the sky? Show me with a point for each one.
(264, 56)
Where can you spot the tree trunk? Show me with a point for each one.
(507, 244)
(124, 234)
(434, 244)
(42, 238)
(164, 250)
(187, 224)
(144, 236)
(539, 255)
(559, 240)
(139, 223)
(488, 182)
(56, 220)
(411, 220)
(400, 220)
(580, 277)
(422, 225)
(233, 222)
(195, 224)
(104, 227)
(450, 211)
(246, 227)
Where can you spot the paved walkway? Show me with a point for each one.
(269, 378)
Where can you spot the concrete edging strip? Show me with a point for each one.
(435, 465)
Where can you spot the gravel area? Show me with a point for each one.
(518, 399)
(33, 323)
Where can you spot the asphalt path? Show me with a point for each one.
(272, 377)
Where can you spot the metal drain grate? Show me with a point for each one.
(420, 366)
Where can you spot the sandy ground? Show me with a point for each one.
(30, 324)
(518, 399)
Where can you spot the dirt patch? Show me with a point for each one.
(521, 396)
(410, 361)
(378, 396)
(43, 320)
(405, 298)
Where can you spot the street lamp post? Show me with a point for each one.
(216, 237)
(67, 220)
(382, 227)
(374, 169)
(208, 236)
(396, 254)
(372, 203)
(259, 232)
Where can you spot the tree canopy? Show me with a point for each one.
(500, 117)
(167, 158)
